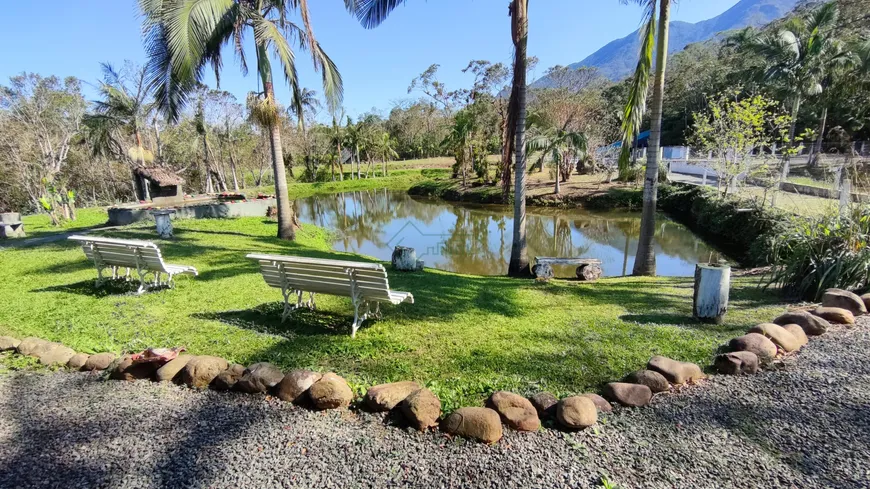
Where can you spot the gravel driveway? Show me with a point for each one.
(805, 424)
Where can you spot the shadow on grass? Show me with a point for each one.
(89, 288)
(266, 318)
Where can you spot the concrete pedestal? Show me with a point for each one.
(163, 218)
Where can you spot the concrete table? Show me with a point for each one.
(163, 218)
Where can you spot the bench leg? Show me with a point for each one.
(288, 308)
(311, 304)
(142, 284)
(357, 319)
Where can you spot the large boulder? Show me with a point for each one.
(422, 408)
(32, 346)
(201, 370)
(259, 377)
(812, 325)
(756, 343)
(632, 395)
(600, 402)
(330, 392)
(797, 332)
(8, 343)
(385, 397)
(835, 315)
(515, 410)
(674, 371)
(294, 386)
(100, 361)
(171, 370)
(545, 404)
(738, 362)
(227, 379)
(778, 335)
(56, 354)
(481, 424)
(844, 300)
(577, 412)
(650, 378)
(123, 368)
(77, 361)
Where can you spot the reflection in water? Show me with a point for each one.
(475, 239)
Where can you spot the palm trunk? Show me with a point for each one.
(507, 148)
(340, 165)
(285, 211)
(519, 264)
(786, 159)
(817, 147)
(645, 259)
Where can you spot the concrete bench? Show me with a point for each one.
(552, 260)
(142, 256)
(364, 283)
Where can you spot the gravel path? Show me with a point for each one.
(805, 424)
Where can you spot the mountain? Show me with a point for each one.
(618, 59)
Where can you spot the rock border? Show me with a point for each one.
(755, 351)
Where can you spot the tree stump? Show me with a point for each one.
(543, 271)
(710, 299)
(404, 259)
(589, 272)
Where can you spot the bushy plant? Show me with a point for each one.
(821, 253)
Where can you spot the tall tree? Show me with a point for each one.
(655, 40)
(183, 36)
(372, 12)
(50, 111)
(795, 59)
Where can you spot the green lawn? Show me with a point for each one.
(36, 225)
(464, 337)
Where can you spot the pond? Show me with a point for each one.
(476, 239)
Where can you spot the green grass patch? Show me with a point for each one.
(464, 337)
(36, 225)
(442, 187)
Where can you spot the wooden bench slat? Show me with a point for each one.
(317, 261)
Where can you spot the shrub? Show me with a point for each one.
(822, 253)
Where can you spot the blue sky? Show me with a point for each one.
(72, 37)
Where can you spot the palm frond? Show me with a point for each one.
(371, 12)
(637, 95)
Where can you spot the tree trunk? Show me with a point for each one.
(340, 164)
(519, 264)
(285, 211)
(817, 147)
(796, 106)
(233, 170)
(645, 258)
(507, 148)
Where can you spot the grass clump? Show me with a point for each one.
(465, 336)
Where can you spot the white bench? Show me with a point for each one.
(142, 256)
(364, 283)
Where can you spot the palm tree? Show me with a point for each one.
(654, 40)
(796, 59)
(372, 12)
(121, 109)
(385, 147)
(561, 143)
(183, 36)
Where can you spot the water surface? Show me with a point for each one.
(476, 239)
